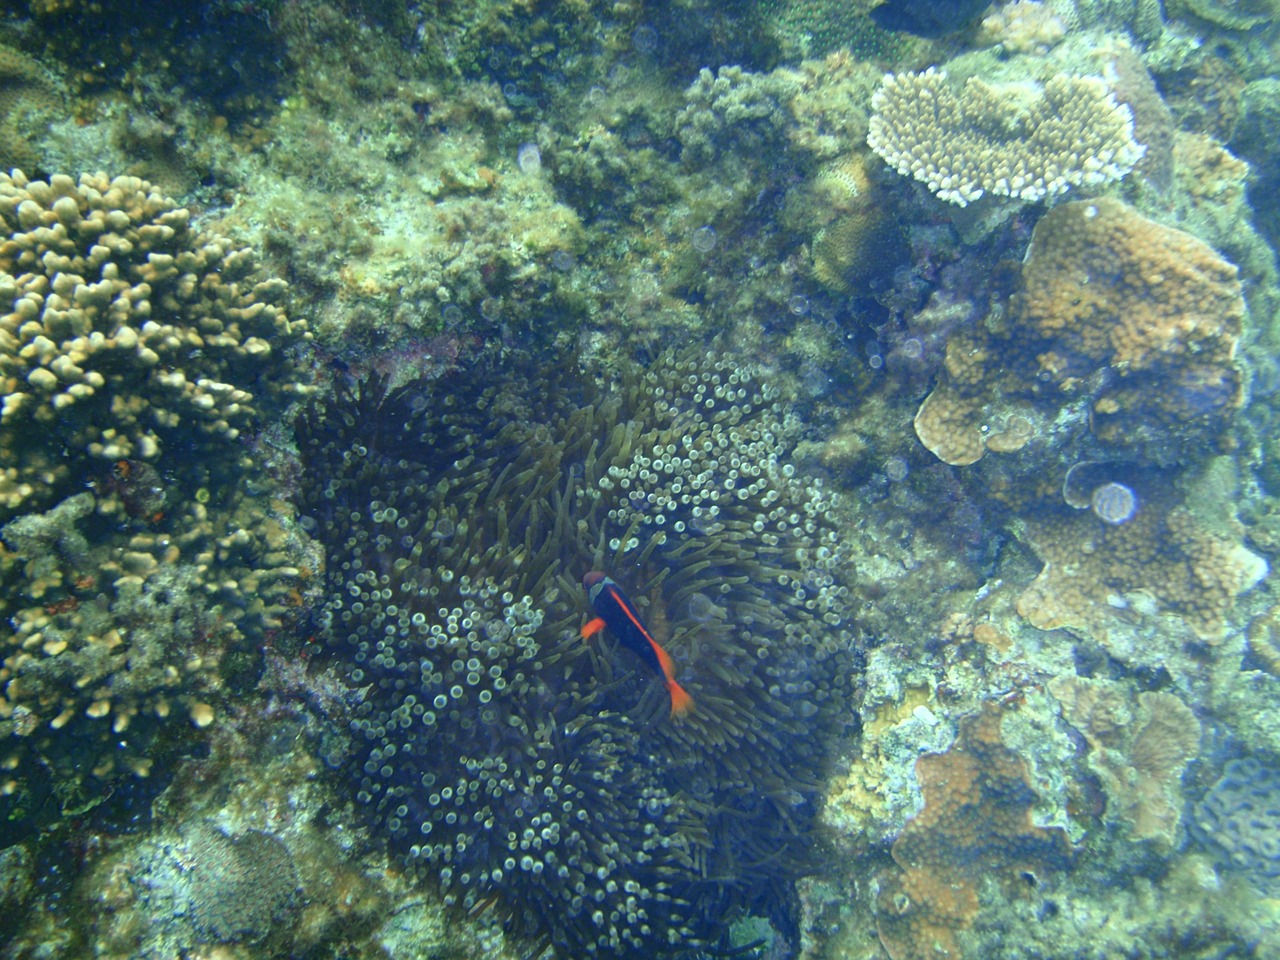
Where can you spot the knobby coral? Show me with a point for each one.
(1094, 570)
(138, 359)
(127, 333)
(502, 756)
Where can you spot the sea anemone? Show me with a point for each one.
(510, 761)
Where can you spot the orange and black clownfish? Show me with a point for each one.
(615, 611)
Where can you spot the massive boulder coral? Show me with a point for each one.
(1023, 141)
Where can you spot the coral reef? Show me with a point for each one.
(218, 887)
(29, 96)
(507, 760)
(1127, 323)
(976, 822)
(1008, 140)
(396, 743)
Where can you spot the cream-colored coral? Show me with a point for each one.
(1023, 140)
(122, 324)
(137, 356)
(1024, 26)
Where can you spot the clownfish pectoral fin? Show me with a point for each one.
(592, 627)
(681, 702)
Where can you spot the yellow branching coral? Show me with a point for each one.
(1023, 140)
(122, 328)
(139, 359)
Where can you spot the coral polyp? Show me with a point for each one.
(507, 760)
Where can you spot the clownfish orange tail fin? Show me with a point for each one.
(681, 702)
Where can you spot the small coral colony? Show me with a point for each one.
(783, 479)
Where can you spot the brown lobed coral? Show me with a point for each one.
(1122, 323)
(1139, 747)
(1162, 552)
(976, 821)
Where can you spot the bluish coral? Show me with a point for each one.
(1240, 818)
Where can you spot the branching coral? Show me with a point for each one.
(137, 359)
(1010, 140)
(127, 333)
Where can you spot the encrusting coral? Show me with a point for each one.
(28, 94)
(1163, 552)
(1021, 141)
(207, 886)
(976, 822)
(1139, 747)
(1115, 359)
(502, 756)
